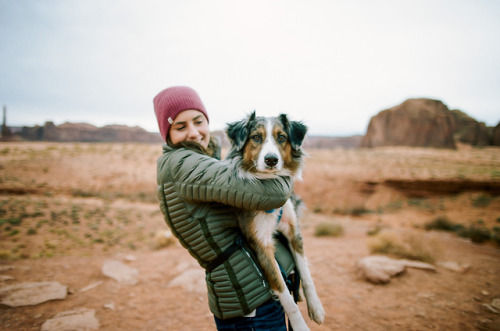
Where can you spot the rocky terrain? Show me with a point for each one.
(79, 223)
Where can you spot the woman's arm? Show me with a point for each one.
(204, 179)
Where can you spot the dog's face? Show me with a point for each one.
(268, 145)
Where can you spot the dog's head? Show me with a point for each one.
(268, 145)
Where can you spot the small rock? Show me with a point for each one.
(76, 320)
(110, 306)
(120, 272)
(490, 308)
(379, 269)
(192, 280)
(90, 286)
(4, 278)
(130, 258)
(6, 268)
(455, 266)
(495, 303)
(30, 294)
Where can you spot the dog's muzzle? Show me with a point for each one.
(271, 160)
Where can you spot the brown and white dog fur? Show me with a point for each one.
(265, 147)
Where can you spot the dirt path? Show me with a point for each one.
(67, 208)
(416, 300)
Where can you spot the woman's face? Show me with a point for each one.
(190, 125)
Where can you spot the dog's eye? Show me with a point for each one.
(257, 138)
(281, 138)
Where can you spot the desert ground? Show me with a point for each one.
(67, 208)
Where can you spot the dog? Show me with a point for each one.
(266, 147)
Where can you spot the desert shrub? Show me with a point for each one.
(11, 221)
(317, 210)
(79, 193)
(481, 201)
(495, 235)
(392, 206)
(403, 246)
(441, 223)
(326, 229)
(476, 232)
(358, 211)
(374, 231)
(5, 254)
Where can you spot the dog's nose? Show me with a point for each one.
(271, 160)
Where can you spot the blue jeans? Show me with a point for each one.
(269, 317)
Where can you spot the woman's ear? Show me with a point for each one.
(237, 132)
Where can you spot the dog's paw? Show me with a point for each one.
(297, 321)
(316, 312)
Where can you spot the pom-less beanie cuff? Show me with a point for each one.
(172, 101)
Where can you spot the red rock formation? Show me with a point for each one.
(416, 122)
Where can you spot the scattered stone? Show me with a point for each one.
(90, 286)
(490, 308)
(76, 320)
(495, 303)
(485, 293)
(110, 306)
(379, 269)
(454, 266)
(193, 280)
(4, 278)
(120, 272)
(6, 268)
(30, 294)
(130, 258)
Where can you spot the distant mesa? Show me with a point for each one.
(427, 123)
(416, 122)
(84, 132)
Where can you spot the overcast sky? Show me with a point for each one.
(332, 64)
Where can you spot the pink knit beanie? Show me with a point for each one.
(173, 100)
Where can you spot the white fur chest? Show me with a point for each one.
(265, 225)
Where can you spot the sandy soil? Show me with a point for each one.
(82, 204)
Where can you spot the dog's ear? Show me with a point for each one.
(237, 132)
(296, 131)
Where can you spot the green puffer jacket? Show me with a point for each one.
(199, 197)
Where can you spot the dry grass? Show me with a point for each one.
(328, 229)
(405, 245)
(88, 198)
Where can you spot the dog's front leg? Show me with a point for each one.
(289, 306)
(314, 306)
(289, 228)
(271, 270)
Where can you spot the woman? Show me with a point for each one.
(199, 196)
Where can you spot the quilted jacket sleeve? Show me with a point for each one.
(199, 178)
